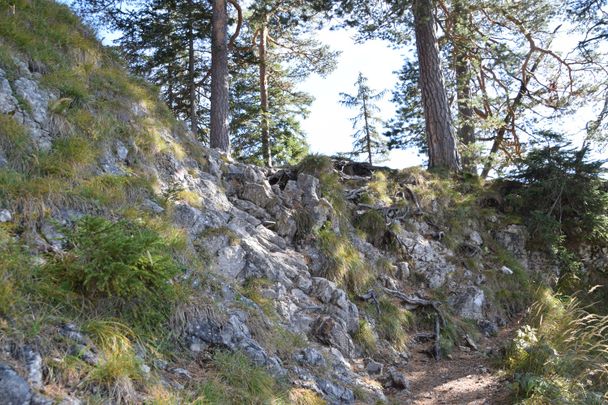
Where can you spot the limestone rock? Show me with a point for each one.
(513, 238)
(33, 364)
(8, 102)
(13, 389)
(429, 257)
(398, 380)
(309, 186)
(327, 331)
(374, 367)
(469, 303)
(5, 216)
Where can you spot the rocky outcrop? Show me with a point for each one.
(254, 226)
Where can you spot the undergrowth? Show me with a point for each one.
(561, 355)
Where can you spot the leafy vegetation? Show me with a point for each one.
(561, 355)
(122, 263)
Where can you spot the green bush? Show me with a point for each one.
(562, 195)
(120, 268)
(120, 259)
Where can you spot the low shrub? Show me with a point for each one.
(120, 263)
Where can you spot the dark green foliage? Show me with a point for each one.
(121, 267)
(119, 259)
(563, 195)
(287, 106)
(406, 128)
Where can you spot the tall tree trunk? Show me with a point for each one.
(192, 81)
(219, 77)
(368, 140)
(462, 69)
(263, 53)
(440, 137)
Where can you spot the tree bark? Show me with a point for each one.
(265, 124)
(462, 69)
(440, 136)
(219, 137)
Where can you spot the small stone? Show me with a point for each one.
(160, 364)
(13, 389)
(5, 216)
(145, 368)
(39, 399)
(506, 270)
(182, 372)
(196, 347)
(403, 270)
(152, 206)
(476, 238)
(374, 367)
(398, 379)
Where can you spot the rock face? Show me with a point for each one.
(430, 258)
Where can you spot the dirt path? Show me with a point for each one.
(469, 377)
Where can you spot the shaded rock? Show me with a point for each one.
(332, 333)
(488, 328)
(335, 394)
(152, 206)
(85, 353)
(513, 238)
(374, 367)
(310, 357)
(232, 334)
(39, 399)
(258, 193)
(292, 194)
(309, 186)
(13, 389)
(398, 380)
(33, 364)
(403, 270)
(8, 102)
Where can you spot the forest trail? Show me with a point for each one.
(469, 377)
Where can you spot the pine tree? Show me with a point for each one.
(285, 53)
(367, 139)
(406, 128)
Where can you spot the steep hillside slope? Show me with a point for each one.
(138, 266)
